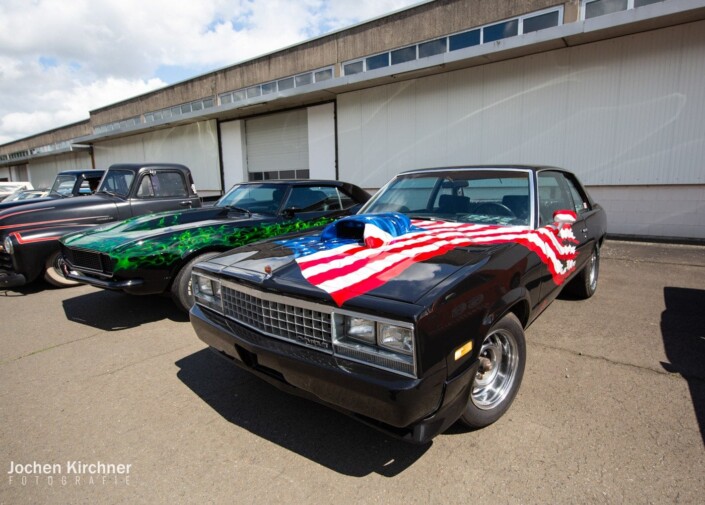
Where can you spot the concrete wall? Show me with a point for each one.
(42, 171)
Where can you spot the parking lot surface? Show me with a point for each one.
(611, 410)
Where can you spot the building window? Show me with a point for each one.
(355, 67)
(463, 40)
(601, 7)
(268, 88)
(278, 174)
(540, 22)
(303, 79)
(500, 31)
(378, 61)
(403, 55)
(432, 48)
(323, 75)
(287, 83)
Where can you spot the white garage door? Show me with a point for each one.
(277, 146)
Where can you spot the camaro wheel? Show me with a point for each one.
(53, 275)
(585, 283)
(181, 290)
(502, 360)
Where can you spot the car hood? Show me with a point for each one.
(279, 265)
(157, 227)
(58, 212)
(30, 201)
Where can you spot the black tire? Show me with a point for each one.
(584, 285)
(494, 389)
(181, 287)
(53, 275)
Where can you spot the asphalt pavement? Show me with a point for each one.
(611, 410)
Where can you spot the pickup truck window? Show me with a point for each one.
(117, 182)
(162, 185)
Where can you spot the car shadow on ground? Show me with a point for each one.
(315, 432)
(113, 310)
(683, 332)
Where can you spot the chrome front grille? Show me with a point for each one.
(278, 318)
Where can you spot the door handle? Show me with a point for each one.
(186, 203)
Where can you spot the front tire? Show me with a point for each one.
(496, 383)
(181, 291)
(53, 275)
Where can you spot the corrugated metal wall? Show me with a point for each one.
(625, 111)
(42, 171)
(194, 145)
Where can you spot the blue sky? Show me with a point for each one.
(72, 57)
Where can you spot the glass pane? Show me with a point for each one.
(166, 113)
(157, 115)
(287, 83)
(602, 7)
(404, 54)
(540, 22)
(175, 111)
(287, 174)
(500, 30)
(196, 106)
(641, 3)
(431, 48)
(269, 87)
(226, 99)
(207, 103)
(253, 92)
(353, 68)
(466, 39)
(379, 61)
(148, 118)
(303, 79)
(186, 108)
(302, 174)
(324, 75)
(239, 96)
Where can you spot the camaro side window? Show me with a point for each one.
(580, 202)
(553, 196)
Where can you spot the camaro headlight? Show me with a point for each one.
(207, 291)
(8, 245)
(375, 341)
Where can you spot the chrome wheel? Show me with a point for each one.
(499, 361)
(592, 271)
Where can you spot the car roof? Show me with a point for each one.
(531, 168)
(88, 171)
(136, 167)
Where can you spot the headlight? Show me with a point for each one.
(361, 329)
(206, 291)
(379, 342)
(396, 338)
(8, 245)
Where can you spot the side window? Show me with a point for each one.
(553, 195)
(580, 202)
(317, 199)
(162, 185)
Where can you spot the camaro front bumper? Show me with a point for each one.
(412, 409)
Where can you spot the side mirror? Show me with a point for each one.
(289, 213)
(564, 218)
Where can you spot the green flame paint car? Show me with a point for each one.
(155, 253)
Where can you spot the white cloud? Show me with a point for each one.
(59, 60)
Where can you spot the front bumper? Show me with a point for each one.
(411, 409)
(70, 273)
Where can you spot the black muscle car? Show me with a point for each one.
(154, 254)
(410, 315)
(29, 234)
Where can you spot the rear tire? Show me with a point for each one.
(495, 387)
(181, 291)
(53, 275)
(585, 283)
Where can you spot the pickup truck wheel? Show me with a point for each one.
(181, 291)
(53, 275)
(585, 283)
(502, 361)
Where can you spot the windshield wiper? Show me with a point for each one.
(240, 209)
(433, 218)
(111, 193)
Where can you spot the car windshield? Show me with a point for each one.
(63, 184)
(499, 197)
(117, 182)
(265, 198)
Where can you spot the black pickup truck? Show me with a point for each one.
(67, 184)
(29, 235)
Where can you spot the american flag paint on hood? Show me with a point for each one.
(360, 253)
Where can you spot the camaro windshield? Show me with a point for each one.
(262, 198)
(500, 197)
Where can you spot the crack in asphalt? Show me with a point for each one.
(614, 362)
(128, 365)
(38, 351)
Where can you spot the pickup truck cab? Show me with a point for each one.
(29, 235)
(67, 184)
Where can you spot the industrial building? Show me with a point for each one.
(610, 89)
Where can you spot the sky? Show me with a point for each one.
(61, 59)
